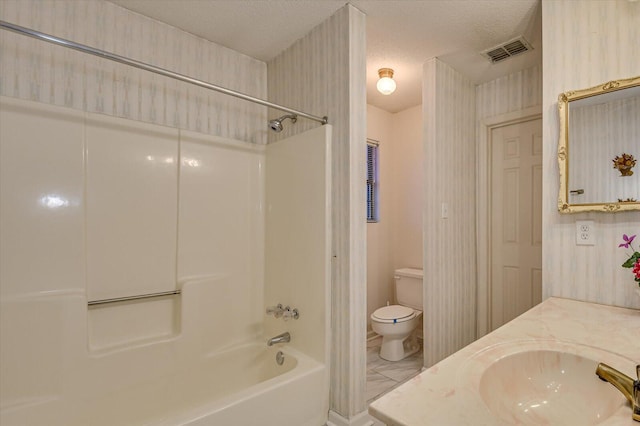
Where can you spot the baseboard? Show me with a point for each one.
(362, 419)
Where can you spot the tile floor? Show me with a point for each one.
(382, 375)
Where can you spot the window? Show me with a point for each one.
(373, 214)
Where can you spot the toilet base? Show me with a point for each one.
(398, 349)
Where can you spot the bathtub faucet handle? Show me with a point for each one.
(290, 313)
(277, 311)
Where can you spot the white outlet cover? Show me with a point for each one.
(585, 233)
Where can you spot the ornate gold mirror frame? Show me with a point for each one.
(563, 149)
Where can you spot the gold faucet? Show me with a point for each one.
(630, 388)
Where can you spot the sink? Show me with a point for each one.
(538, 369)
(547, 387)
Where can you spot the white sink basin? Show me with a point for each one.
(547, 387)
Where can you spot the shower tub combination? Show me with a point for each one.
(183, 357)
(58, 369)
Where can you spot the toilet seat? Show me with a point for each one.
(393, 314)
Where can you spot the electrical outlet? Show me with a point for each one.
(585, 233)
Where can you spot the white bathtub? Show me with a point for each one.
(265, 393)
(242, 386)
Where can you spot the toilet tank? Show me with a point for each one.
(409, 287)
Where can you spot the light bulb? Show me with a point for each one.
(386, 85)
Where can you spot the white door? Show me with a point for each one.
(516, 220)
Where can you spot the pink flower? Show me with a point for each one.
(636, 270)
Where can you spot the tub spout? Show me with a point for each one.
(626, 385)
(280, 338)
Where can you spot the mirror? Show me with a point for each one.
(599, 148)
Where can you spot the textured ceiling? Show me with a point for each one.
(400, 34)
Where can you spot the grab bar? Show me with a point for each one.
(140, 296)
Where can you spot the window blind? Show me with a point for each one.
(372, 181)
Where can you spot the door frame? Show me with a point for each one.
(483, 209)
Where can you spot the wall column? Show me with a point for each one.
(325, 73)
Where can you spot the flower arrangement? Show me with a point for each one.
(634, 260)
(624, 163)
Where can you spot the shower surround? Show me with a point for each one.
(97, 208)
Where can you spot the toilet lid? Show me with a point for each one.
(393, 313)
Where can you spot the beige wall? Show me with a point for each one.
(396, 241)
(407, 195)
(380, 234)
(585, 43)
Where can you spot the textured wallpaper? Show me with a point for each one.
(450, 176)
(514, 92)
(36, 70)
(585, 43)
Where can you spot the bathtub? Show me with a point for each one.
(241, 386)
(266, 394)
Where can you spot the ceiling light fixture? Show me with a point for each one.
(386, 85)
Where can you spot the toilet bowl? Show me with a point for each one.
(396, 323)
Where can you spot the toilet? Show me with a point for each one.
(396, 323)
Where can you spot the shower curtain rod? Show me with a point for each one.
(141, 65)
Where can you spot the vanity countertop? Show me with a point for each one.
(447, 393)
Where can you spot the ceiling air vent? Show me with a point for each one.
(506, 50)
